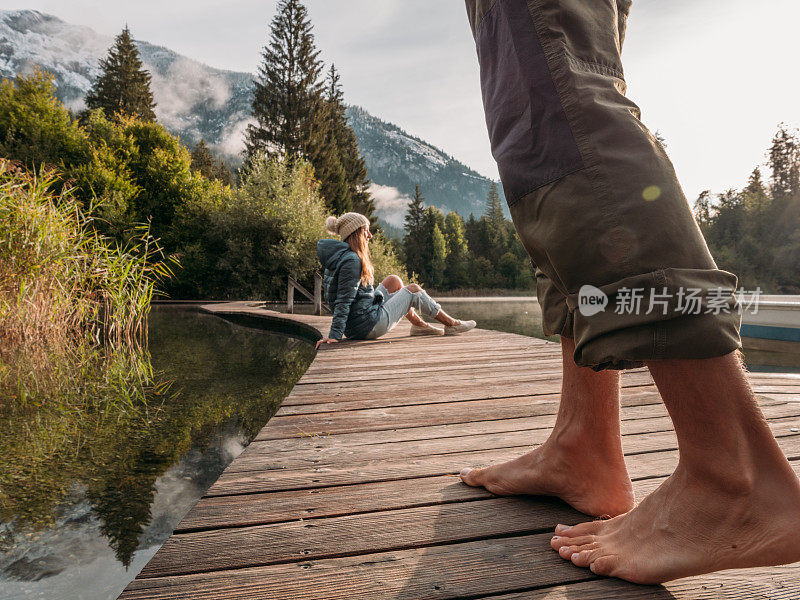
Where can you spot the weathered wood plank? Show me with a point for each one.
(434, 393)
(452, 571)
(427, 432)
(274, 507)
(381, 419)
(364, 533)
(651, 464)
(470, 569)
(642, 435)
(767, 583)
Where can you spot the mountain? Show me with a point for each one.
(396, 161)
(194, 100)
(197, 101)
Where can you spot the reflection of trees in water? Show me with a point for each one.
(109, 421)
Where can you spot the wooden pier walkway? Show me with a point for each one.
(350, 491)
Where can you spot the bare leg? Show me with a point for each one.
(732, 502)
(442, 317)
(393, 283)
(582, 461)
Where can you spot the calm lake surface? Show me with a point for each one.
(93, 484)
(524, 316)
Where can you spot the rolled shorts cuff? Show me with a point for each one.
(665, 314)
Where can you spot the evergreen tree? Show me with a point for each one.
(757, 201)
(349, 154)
(414, 222)
(123, 86)
(702, 210)
(784, 160)
(343, 189)
(202, 159)
(438, 255)
(494, 207)
(203, 162)
(288, 100)
(457, 252)
(433, 247)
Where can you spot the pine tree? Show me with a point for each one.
(288, 100)
(755, 193)
(457, 251)
(494, 207)
(784, 160)
(202, 159)
(123, 86)
(413, 251)
(345, 188)
(702, 210)
(438, 257)
(203, 162)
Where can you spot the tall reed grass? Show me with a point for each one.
(59, 278)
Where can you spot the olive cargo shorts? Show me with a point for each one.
(593, 196)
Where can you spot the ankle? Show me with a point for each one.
(579, 438)
(728, 479)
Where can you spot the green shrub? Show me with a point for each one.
(244, 245)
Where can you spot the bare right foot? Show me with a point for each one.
(693, 525)
(589, 475)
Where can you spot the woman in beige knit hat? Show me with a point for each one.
(361, 311)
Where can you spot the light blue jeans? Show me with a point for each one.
(397, 304)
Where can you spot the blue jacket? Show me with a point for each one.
(355, 306)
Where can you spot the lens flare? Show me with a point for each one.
(651, 192)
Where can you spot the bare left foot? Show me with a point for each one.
(691, 525)
(590, 476)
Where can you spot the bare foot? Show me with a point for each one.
(690, 526)
(591, 478)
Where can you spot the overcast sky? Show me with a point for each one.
(715, 77)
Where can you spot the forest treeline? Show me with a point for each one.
(755, 232)
(447, 252)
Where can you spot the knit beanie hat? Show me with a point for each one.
(346, 224)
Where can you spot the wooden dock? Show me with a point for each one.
(350, 491)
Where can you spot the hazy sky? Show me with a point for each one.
(715, 77)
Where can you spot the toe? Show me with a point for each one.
(579, 530)
(566, 552)
(585, 555)
(471, 476)
(603, 565)
(557, 542)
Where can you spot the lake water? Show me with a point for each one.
(524, 316)
(93, 484)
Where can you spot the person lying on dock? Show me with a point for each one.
(361, 311)
(597, 205)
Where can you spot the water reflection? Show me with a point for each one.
(100, 467)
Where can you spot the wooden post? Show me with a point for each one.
(290, 298)
(317, 294)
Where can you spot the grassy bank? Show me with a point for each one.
(61, 280)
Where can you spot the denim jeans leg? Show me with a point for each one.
(397, 305)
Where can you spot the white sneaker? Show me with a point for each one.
(459, 327)
(426, 330)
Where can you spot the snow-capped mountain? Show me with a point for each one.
(396, 161)
(197, 101)
(194, 100)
